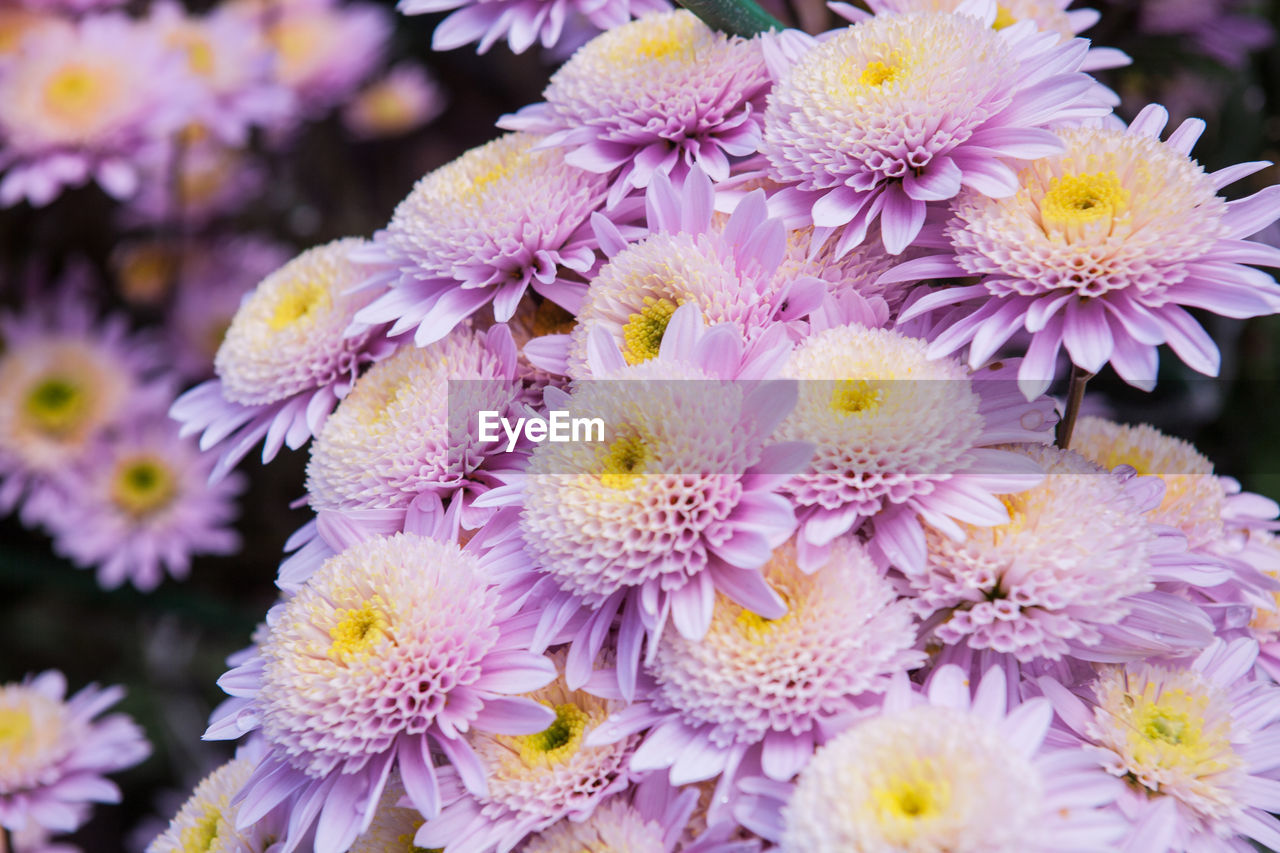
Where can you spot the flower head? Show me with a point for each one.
(900, 437)
(484, 228)
(139, 506)
(660, 94)
(54, 755)
(404, 99)
(897, 111)
(412, 640)
(1101, 250)
(207, 820)
(955, 773)
(1195, 743)
(285, 360)
(1042, 584)
(84, 102)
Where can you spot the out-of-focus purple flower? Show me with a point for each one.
(880, 119)
(403, 99)
(1101, 250)
(284, 362)
(522, 22)
(193, 179)
(1225, 30)
(139, 506)
(54, 755)
(87, 102)
(661, 94)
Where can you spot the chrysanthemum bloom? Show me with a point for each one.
(1197, 746)
(901, 438)
(325, 50)
(898, 111)
(1101, 250)
(727, 269)
(285, 360)
(54, 755)
(408, 428)
(207, 820)
(1049, 16)
(1073, 561)
(232, 63)
(484, 228)
(404, 99)
(139, 507)
(523, 22)
(215, 277)
(675, 504)
(949, 772)
(534, 780)
(393, 650)
(65, 381)
(658, 95)
(763, 692)
(86, 102)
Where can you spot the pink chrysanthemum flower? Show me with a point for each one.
(1196, 745)
(675, 504)
(232, 62)
(483, 229)
(65, 381)
(54, 755)
(728, 269)
(957, 770)
(534, 780)
(901, 438)
(207, 820)
(86, 102)
(392, 651)
(403, 431)
(284, 362)
(1101, 250)
(1051, 16)
(325, 50)
(139, 507)
(948, 101)
(1076, 560)
(404, 99)
(659, 95)
(524, 22)
(756, 692)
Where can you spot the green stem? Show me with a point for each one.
(735, 17)
(1075, 396)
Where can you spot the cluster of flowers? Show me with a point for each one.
(137, 105)
(825, 585)
(86, 451)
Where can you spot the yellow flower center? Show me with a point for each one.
(73, 92)
(386, 109)
(1170, 732)
(878, 73)
(15, 728)
(643, 331)
(902, 801)
(358, 629)
(199, 837)
(57, 405)
(297, 303)
(855, 396)
(558, 741)
(200, 59)
(624, 463)
(142, 486)
(1004, 18)
(1076, 200)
